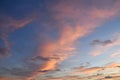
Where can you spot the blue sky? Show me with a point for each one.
(41, 38)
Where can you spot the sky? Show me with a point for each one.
(46, 39)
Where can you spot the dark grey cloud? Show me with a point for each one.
(39, 58)
(27, 70)
(101, 42)
(3, 52)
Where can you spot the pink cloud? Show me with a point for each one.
(113, 65)
(115, 54)
(84, 22)
(9, 24)
(88, 71)
(73, 22)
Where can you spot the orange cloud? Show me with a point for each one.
(47, 49)
(113, 65)
(92, 70)
(63, 48)
(89, 71)
(48, 65)
(70, 34)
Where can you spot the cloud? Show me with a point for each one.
(75, 22)
(88, 71)
(48, 65)
(61, 49)
(3, 52)
(84, 72)
(9, 24)
(6, 50)
(103, 46)
(76, 12)
(115, 54)
(24, 72)
(39, 58)
(2, 78)
(103, 43)
(72, 21)
(113, 65)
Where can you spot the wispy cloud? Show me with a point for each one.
(88, 71)
(103, 43)
(115, 54)
(9, 24)
(91, 72)
(102, 46)
(96, 70)
(5, 51)
(113, 65)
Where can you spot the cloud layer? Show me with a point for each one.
(71, 21)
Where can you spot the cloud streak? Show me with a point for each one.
(115, 54)
(88, 71)
(9, 24)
